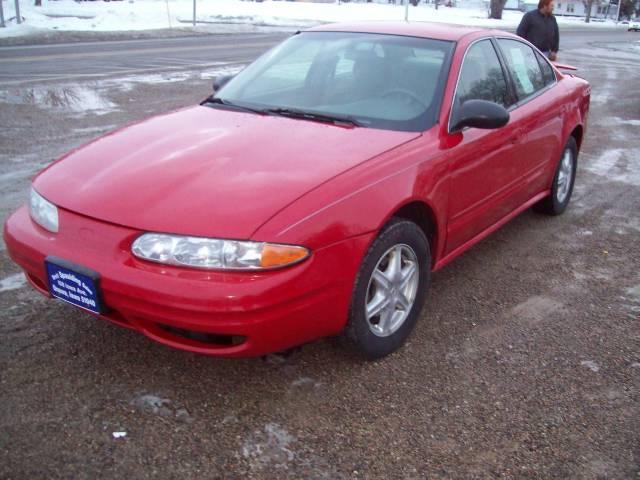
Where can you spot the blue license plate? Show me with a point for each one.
(74, 284)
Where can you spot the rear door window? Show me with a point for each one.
(523, 66)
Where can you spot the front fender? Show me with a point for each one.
(363, 199)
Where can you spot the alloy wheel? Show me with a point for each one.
(392, 290)
(565, 175)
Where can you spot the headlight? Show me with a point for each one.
(43, 212)
(211, 253)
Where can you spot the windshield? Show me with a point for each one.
(379, 81)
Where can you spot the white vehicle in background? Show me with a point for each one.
(634, 25)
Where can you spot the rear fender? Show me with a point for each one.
(576, 109)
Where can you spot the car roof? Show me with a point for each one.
(437, 31)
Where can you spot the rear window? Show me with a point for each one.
(547, 72)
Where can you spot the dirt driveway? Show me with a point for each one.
(526, 363)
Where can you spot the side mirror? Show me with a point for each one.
(479, 114)
(220, 82)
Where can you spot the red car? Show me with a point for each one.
(312, 194)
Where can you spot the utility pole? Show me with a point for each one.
(194, 13)
(168, 13)
(2, 25)
(18, 17)
(619, 7)
(406, 11)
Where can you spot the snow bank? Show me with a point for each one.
(68, 15)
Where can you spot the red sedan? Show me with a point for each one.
(312, 194)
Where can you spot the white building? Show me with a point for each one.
(576, 8)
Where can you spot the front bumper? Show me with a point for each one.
(228, 314)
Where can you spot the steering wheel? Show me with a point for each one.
(406, 94)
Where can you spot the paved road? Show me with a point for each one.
(86, 60)
(524, 364)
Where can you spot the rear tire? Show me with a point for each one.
(563, 181)
(390, 290)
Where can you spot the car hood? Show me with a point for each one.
(205, 171)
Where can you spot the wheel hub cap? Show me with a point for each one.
(565, 175)
(392, 290)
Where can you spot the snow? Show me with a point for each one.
(13, 282)
(153, 404)
(622, 121)
(305, 383)
(68, 15)
(77, 99)
(94, 130)
(91, 98)
(10, 177)
(215, 69)
(634, 292)
(271, 448)
(591, 365)
(150, 403)
(608, 91)
(618, 165)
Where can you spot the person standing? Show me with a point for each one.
(540, 28)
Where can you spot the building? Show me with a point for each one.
(576, 8)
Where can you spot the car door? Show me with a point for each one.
(484, 176)
(539, 111)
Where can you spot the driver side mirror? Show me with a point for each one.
(220, 82)
(479, 114)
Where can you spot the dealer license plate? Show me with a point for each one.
(74, 284)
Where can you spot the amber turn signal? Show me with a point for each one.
(282, 255)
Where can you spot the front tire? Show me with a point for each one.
(563, 181)
(390, 290)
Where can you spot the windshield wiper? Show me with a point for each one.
(286, 112)
(314, 116)
(237, 106)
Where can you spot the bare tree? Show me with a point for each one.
(588, 4)
(38, 3)
(496, 7)
(627, 9)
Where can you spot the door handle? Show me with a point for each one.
(516, 136)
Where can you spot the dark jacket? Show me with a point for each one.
(540, 30)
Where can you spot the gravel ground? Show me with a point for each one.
(525, 364)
